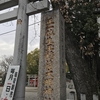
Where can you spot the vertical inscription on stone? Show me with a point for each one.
(52, 80)
(49, 57)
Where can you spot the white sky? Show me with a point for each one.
(7, 40)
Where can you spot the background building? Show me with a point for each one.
(32, 80)
(70, 90)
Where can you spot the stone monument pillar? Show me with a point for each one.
(52, 80)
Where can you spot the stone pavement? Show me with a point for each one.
(30, 93)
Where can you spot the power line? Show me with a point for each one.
(35, 23)
(7, 32)
(29, 25)
(15, 30)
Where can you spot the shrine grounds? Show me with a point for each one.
(30, 93)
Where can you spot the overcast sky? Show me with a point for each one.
(7, 40)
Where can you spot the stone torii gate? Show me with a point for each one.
(25, 8)
(52, 82)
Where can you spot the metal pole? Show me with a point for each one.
(20, 49)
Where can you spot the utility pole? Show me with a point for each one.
(20, 50)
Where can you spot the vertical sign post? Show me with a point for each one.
(10, 83)
(52, 81)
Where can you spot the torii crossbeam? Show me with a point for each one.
(32, 8)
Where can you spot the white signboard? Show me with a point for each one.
(10, 83)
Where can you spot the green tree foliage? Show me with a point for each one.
(84, 24)
(33, 62)
(85, 27)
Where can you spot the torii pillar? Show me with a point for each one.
(20, 49)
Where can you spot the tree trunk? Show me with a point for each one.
(80, 71)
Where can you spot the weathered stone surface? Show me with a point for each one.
(52, 81)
